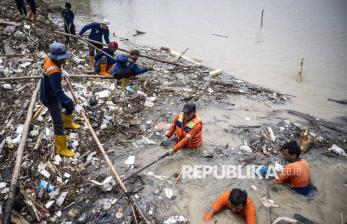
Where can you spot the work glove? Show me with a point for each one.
(171, 152)
(65, 74)
(78, 108)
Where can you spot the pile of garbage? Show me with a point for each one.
(53, 188)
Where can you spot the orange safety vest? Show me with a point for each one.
(182, 132)
(49, 67)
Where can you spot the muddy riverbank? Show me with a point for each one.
(233, 112)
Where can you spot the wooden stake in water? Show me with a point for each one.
(262, 17)
(299, 78)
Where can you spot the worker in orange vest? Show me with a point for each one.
(188, 128)
(237, 202)
(54, 98)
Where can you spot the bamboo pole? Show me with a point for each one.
(71, 76)
(299, 78)
(108, 161)
(89, 42)
(19, 157)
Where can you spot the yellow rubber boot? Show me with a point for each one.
(103, 70)
(68, 122)
(61, 146)
(91, 61)
(124, 82)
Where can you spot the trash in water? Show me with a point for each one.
(106, 185)
(246, 148)
(271, 133)
(45, 173)
(49, 204)
(130, 160)
(286, 219)
(334, 148)
(168, 193)
(306, 140)
(61, 198)
(103, 94)
(130, 89)
(7, 86)
(57, 160)
(43, 186)
(73, 213)
(176, 219)
(120, 213)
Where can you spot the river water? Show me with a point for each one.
(313, 29)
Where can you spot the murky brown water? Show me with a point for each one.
(313, 29)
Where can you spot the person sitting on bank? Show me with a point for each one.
(237, 202)
(54, 98)
(297, 173)
(188, 128)
(98, 30)
(126, 67)
(68, 17)
(103, 63)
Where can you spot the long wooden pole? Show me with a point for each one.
(19, 157)
(71, 76)
(89, 41)
(108, 161)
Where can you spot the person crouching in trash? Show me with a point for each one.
(103, 61)
(188, 128)
(126, 68)
(54, 98)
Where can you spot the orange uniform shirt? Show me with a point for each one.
(222, 202)
(195, 133)
(296, 174)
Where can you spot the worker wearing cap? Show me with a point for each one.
(98, 30)
(126, 67)
(188, 128)
(54, 98)
(103, 61)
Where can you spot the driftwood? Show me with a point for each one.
(339, 101)
(114, 172)
(8, 23)
(176, 54)
(89, 41)
(19, 156)
(180, 56)
(319, 122)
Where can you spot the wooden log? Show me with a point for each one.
(114, 172)
(262, 18)
(339, 101)
(319, 122)
(180, 56)
(176, 54)
(89, 42)
(8, 23)
(299, 78)
(19, 156)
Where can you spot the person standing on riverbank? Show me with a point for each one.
(237, 202)
(68, 17)
(126, 68)
(188, 128)
(54, 98)
(21, 7)
(103, 63)
(98, 30)
(32, 13)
